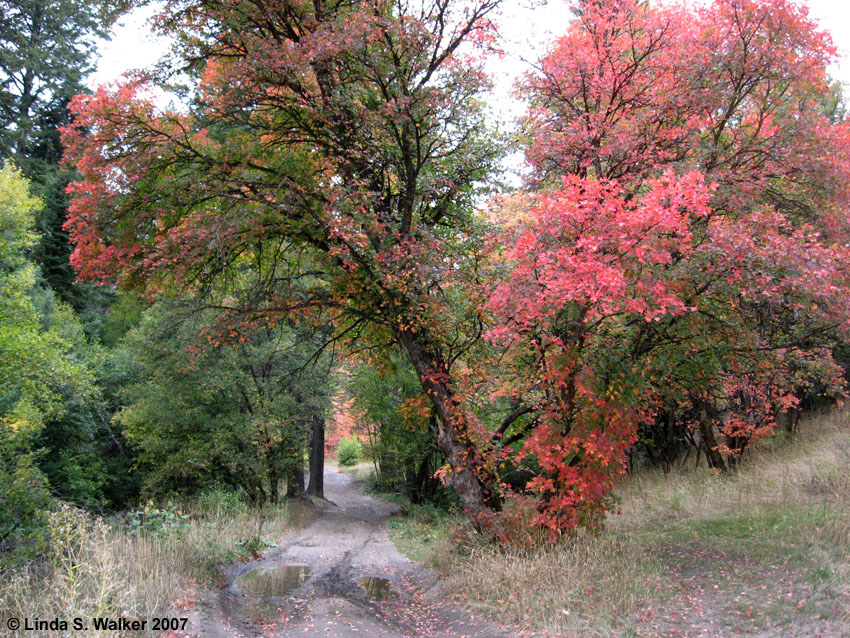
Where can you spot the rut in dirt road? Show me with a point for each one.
(341, 576)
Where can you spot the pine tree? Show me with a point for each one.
(46, 50)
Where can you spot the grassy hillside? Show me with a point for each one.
(762, 552)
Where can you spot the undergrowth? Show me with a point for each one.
(140, 565)
(766, 548)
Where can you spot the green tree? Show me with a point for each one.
(46, 50)
(219, 405)
(38, 370)
(36, 365)
(400, 424)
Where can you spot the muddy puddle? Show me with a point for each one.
(377, 588)
(267, 589)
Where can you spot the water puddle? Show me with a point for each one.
(273, 583)
(376, 588)
(267, 589)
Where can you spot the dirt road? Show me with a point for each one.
(339, 577)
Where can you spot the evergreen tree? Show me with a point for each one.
(46, 50)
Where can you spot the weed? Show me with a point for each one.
(136, 569)
(169, 520)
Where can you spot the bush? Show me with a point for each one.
(220, 501)
(168, 520)
(348, 451)
(24, 501)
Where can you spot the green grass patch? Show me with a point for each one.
(423, 532)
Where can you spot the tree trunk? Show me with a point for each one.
(788, 420)
(295, 479)
(316, 487)
(421, 480)
(451, 425)
(712, 451)
(274, 487)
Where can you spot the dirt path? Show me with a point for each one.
(341, 576)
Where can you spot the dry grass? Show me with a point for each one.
(96, 570)
(581, 588)
(363, 470)
(811, 467)
(784, 517)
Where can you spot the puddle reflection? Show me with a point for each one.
(376, 588)
(267, 587)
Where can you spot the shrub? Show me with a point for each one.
(348, 451)
(220, 501)
(24, 501)
(166, 521)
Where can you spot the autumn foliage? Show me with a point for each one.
(683, 257)
(688, 253)
(327, 163)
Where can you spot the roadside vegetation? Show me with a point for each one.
(349, 452)
(764, 548)
(150, 562)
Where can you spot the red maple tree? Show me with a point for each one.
(688, 253)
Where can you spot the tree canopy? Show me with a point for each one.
(340, 142)
(686, 256)
(46, 51)
(208, 408)
(679, 255)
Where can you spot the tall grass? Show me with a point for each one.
(811, 467)
(95, 569)
(787, 509)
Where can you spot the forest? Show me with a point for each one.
(303, 211)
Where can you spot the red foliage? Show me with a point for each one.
(590, 257)
(687, 251)
(688, 254)
(341, 425)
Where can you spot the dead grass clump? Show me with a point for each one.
(584, 586)
(92, 571)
